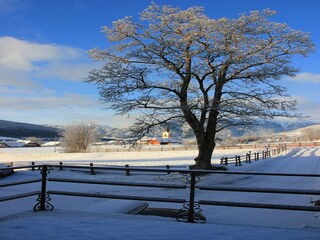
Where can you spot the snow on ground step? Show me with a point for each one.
(73, 225)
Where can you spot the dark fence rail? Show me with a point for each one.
(190, 212)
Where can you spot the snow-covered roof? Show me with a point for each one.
(14, 142)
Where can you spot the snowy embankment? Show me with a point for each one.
(90, 218)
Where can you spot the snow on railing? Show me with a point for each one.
(190, 212)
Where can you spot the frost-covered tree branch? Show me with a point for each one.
(209, 73)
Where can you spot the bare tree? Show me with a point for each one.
(180, 65)
(78, 137)
(309, 134)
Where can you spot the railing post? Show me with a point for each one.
(32, 163)
(43, 188)
(191, 211)
(236, 159)
(60, 168)
(43, 196)
(239, 160)
(191, 198)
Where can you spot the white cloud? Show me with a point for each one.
(18, 79)
(65, 109)
(308, 107)
(306, 78)
(32, 87)
(25, 64)
(41, 102)
(66, 71)
(23, 55)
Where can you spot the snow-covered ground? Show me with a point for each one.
(91, 218)
(23, 156)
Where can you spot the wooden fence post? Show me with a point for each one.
(92, 172)
(127, 170)
(248, 157)
(168, 167)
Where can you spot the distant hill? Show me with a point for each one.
(269, 127)
(259, 130)
(24, 130)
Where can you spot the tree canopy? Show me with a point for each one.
(180, 65)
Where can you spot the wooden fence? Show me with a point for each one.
(153, 148)
(249, 157)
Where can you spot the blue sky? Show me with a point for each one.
(44, 44)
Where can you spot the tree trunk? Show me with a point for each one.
(203, 160)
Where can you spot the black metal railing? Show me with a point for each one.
(190, 211)
(15, 183)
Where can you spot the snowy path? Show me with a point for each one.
(305, 161)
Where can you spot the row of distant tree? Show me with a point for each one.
(78, 137)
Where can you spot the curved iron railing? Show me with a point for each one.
(191, 210)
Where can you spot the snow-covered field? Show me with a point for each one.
(91, 218)
(23, 156)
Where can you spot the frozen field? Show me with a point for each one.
(90, 218)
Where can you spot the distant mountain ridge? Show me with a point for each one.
(273, 127)
(24, 130)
